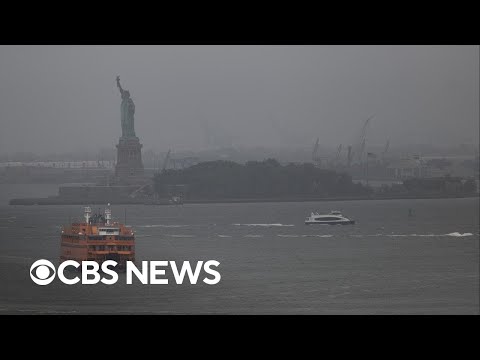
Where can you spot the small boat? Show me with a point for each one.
(333, 218)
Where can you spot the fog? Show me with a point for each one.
(64, 98)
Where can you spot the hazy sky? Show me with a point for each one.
(64, 98)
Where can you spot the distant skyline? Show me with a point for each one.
(64, 98)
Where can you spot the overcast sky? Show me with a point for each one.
(64, 98)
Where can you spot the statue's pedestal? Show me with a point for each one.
(129, 167)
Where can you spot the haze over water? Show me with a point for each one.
(64, 98)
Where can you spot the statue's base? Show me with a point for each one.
(129, 139)
(129, 168)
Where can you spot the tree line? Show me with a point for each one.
(255, 179)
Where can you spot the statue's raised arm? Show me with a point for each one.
(119, 86)
(127, 112)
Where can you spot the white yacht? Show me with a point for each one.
(333, 218)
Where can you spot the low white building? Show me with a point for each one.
(406, 168)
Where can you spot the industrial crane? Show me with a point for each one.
(387, 145)
(165, 162)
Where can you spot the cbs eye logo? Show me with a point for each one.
(42, 272)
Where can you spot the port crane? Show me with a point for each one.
(363, 138)
(339, 150)
(349, 155)
(315, 158)
(387, 145)
(181, 163)
(165, 161)
(315, 150)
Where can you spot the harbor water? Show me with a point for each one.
(401, 257)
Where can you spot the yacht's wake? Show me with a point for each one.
(265, 225)
(457, 234)
(179, 236)
(318, 235)
(454, 234)
(163, 226)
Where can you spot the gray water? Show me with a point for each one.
(270, 262)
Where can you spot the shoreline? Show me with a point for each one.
(60, 201)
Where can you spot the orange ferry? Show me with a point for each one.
(98, 239)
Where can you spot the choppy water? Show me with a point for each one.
(271, 263)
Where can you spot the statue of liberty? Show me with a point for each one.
(127, 110)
